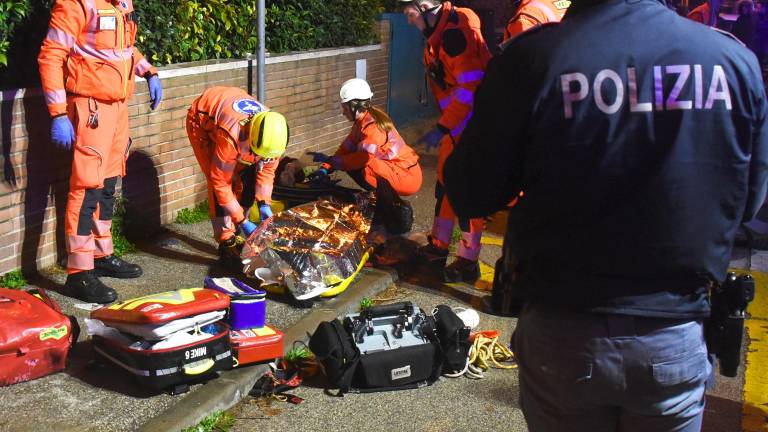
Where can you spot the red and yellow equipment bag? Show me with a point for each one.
(35, 337)
(163, 307)
(256, 345)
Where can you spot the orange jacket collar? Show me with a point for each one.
(436, 39)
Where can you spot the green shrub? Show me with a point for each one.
(198, 213)
(13, 279)
(174, 31)
(23, 25)
(12, 12)
(158, 28)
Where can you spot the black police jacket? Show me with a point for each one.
(639, 138)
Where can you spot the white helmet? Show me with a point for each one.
(355, 88)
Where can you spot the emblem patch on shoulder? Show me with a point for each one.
(247, 106)
(562, 4)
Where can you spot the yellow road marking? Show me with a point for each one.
(755, 408)
(485, 283)
(494, 241)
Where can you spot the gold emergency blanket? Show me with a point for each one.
(311, 247)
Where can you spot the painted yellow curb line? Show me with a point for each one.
(494, 241)
(755, 408)
(485, 282)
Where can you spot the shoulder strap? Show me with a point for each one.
(350, 366)
(431, 334)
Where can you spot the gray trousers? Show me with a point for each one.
(596, 372)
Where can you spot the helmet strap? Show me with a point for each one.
(435, 12)
(358, 106)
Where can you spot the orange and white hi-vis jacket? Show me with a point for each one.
(532, 13)
(455, 57)
(89, 52)
(222, 113)
(366, 141)
(701, 13)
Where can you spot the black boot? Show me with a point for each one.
(112, 266)
(229, 253)
(87, 287)
(462, 270)
(432, 255)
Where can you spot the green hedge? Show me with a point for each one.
(174, 31)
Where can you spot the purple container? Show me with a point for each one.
(247, 312)
(248, 306)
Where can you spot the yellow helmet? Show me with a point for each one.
(269, 134)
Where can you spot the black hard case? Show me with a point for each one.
(172, 369)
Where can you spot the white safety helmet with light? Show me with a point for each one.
(430, 3)
(355, 88)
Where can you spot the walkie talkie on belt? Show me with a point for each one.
(724, 330)
(725, 327)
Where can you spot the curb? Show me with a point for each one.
(232, 386)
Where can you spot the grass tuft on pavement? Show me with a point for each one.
(120, 243)
(13, 280)
(195, 214)
(219, 421)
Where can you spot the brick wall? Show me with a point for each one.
(162, 174)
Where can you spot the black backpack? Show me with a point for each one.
(348, 370)
(454, 339)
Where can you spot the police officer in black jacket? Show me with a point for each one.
(640, 140)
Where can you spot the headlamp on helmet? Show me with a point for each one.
(268, 134)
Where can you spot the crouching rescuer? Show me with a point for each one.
(375, 156)
(87, 67)
(229, 131)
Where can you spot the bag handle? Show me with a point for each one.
(43, 296)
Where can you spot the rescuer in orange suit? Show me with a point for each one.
(703, 13)
(230, 130)
(533, 13)
(455, 57)
(87, 67)
(373, 151)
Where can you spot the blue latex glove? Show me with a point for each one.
(247, 227)
(319, 157)
(265, 211)
(320, 173)
(155, 91)
(432, 138)
(62, 132)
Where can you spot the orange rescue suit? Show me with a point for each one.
(217, 126)
(380, 154)
(702, 13)
(89, 52)
(87, 67)
(455, 57)
(532, 13)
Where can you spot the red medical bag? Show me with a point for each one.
(256, 345)
(35, 337)
(173, 368)
(163, 307)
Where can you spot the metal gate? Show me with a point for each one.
(409, 98)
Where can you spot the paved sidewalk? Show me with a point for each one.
(84, 398)
(88, 398)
